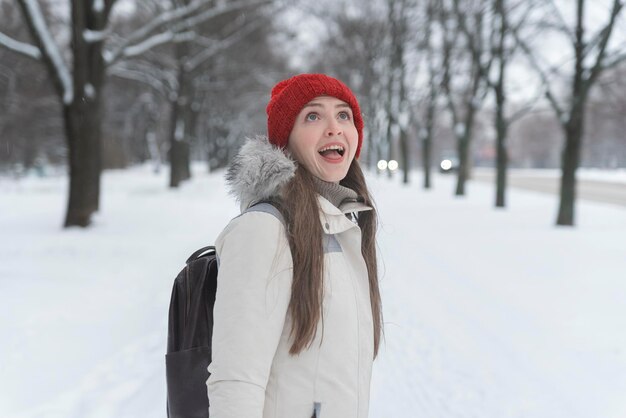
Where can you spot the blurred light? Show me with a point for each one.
(382, 165)
(446, 164)
(393, 165)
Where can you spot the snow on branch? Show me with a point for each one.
(177, 20)
(92, 36)
(216, 11)
(49, 48)
(98, 6)
(218, 46)
(161, 79)
(155, 40)
(20, 47)
(141, 76)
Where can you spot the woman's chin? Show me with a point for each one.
(332, 177)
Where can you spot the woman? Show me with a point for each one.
(298, 315)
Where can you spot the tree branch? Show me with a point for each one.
(606, 35)
(143, 77)
(562, 26)
(174, 21)
(222, 44)
(28, 50)
(614, 60)
(526, 108)
(542, 75)
(51, 55)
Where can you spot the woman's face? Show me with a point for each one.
(322, 123)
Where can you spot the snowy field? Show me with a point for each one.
(489, 313)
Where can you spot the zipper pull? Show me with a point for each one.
(317, 406)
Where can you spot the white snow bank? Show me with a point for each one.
(489, 313)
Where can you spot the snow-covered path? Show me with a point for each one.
(497, 313)
(489, 313)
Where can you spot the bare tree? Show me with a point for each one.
(464, 97)
(191, 59)
(433, 70)
(79, 87)
(506, 17)
(356, 50)
(398, 109)
(590, 58)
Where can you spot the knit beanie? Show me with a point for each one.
(289, 96)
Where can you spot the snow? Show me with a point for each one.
(142, 39)
(179, 132)
(459, 129)
(142, 47)
(403, 119)
(51, 48)
(98, 6)
(90, 91)
(20, 47)
(92, 36)
(489, 313)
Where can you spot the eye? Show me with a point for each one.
(311, 116)
(344, 115)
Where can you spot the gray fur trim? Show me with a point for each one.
(258, 171)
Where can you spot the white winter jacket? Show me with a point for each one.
(252, 373)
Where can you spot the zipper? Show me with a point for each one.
(188, 295)
(317, 406)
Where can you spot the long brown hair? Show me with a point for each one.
(299, 205)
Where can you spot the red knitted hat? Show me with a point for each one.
(289, 97)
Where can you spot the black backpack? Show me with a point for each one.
(190, 328)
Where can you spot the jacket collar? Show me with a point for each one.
(260, 170)
(333, 219)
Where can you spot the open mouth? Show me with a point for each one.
(332, 151)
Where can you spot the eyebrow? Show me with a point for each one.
(315, 104)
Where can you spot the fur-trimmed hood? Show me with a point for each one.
(258, 171)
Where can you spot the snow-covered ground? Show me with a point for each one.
(489, 313)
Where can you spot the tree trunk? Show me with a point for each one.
(428, 137)
(83, 119)
(404, 150)
(501, 122)
(82, 129)
(501, 163)
(463, 146)
(178, 147)
(181, 121)
(501, 152)
(191, 134)
(573, 128)
(569, 163)
(426, 159)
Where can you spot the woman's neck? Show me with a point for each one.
(334, 192)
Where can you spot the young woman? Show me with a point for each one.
(298, 316)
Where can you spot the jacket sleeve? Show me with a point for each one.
(253, 292)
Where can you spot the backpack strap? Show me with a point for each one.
(200, 253)
(267, 207)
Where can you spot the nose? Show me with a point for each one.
(333, 129)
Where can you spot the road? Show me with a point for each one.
(595, 190)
